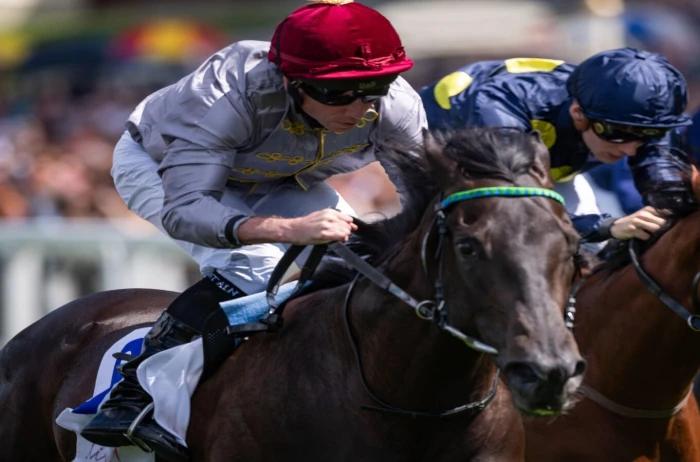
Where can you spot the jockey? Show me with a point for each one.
(230, 162)
(616, 104)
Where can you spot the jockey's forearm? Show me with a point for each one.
(318, 227)
(258, 230)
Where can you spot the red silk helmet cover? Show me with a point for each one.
(337, 41)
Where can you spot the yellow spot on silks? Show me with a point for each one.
(562, 174)
(520, 65)
(449, 86)
(547, 132)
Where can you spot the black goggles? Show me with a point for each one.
(618, 134)
(341, 96)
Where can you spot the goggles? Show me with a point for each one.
(339, 94)
(618, 134)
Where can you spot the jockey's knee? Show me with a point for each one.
(194, 305)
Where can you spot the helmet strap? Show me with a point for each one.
(297, 98)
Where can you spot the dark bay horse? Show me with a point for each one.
(354, 374)
(637, 402)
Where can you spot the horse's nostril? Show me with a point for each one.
(523, 371)
(557, 375)
(580, 368)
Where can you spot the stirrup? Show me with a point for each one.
(137, 421)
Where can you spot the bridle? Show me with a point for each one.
(436, 309)
(692, 320)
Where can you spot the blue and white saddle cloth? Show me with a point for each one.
(170, 377)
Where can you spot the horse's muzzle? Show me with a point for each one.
(539, 390)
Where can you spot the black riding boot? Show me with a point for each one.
(120, 421)
(129, 405)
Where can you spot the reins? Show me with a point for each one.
(383, 406)
(692, 320)
(434, 310)
(631, 412)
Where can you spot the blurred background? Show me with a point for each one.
(72, 70)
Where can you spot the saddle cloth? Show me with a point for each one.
(170, 377)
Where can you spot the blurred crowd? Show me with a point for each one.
(56, 153)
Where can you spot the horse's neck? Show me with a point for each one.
(407, 360)
(640, 353)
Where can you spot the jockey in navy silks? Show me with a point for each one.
(231, 161)
(616, 104)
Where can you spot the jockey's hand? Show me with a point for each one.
(318, 227)
(640, 224)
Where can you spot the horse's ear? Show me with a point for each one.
(442, 168)
(586, 262)
(540, 167)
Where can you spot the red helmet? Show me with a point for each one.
(336, 39)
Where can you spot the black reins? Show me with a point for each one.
(692, 320)
(383, 406)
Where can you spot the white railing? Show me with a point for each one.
(47, 263)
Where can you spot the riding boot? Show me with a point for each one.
(124, 419)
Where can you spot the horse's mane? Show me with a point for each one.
(495, 153)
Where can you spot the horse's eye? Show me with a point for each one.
(469, 248)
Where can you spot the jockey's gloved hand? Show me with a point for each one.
(676, 197)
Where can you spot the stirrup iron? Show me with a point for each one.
(137, 421)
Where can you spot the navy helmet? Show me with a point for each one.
(630, 87)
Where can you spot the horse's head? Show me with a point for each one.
(508, 261)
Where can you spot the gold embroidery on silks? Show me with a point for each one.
(295, 128)
(319, 155)
(279, 157)
(250, 171)
(347, 150)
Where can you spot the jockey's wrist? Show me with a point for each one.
(604, 228)
(232, 227)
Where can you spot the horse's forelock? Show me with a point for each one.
(492, 152)
(479, 152)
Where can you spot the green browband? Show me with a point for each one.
(500, 191)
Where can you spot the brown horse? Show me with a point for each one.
(637, 403)
(354, 374)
